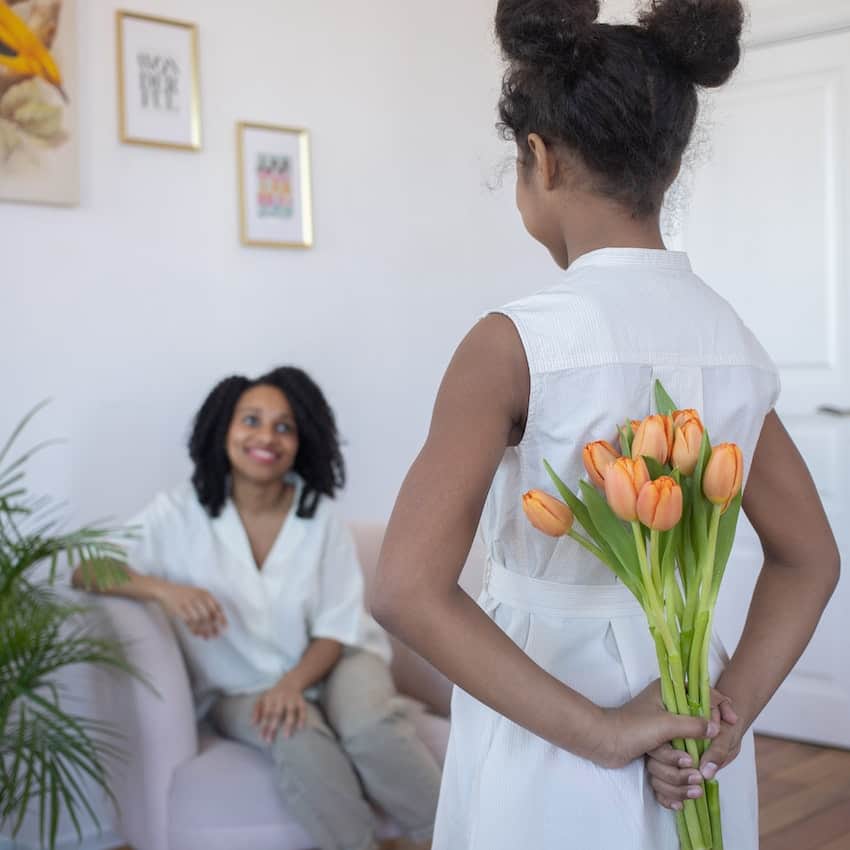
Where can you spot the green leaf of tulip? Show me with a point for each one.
(663, 402)
(725, 539)
(627, 434)
(614, 532)
(656, 469)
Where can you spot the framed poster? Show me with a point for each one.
(275, 197)
(39, 136)
(159, 100)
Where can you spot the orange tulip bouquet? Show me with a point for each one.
(662, 515)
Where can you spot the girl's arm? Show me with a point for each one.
(197, 608)
(481, 409)
(801, 568)
(800, 572)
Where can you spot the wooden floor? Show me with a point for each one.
(804, 796)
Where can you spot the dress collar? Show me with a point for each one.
(650, 257)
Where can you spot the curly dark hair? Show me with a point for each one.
(622, 97)
(319, 461)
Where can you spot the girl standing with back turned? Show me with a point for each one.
(559, 737)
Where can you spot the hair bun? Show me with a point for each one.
(545, 31)
(702, 37)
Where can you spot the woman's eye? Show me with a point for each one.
(251, 420)
(283, 428)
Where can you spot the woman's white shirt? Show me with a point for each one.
(310, 586)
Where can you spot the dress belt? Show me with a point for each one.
(589, 601)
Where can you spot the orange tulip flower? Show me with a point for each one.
(623, 481)
(685, 413)
(724, 474)
(687, 440)
(597, 458)
(547, 514)
(654, 438)
(659, 504)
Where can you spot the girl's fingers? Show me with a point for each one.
(675, 805)
(673, 775)
(724, 705)
(675, 792)
(715, 715)
(727, 713)
(668, 755)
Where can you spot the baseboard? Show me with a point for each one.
(106, 841)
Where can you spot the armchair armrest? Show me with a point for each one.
(413, 675)
(156, 719)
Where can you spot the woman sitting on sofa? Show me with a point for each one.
(261, 579)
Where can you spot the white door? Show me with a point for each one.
(769, 228)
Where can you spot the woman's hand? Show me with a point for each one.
(642, 726)
(280, 707)
(672, 774)
(195, 607)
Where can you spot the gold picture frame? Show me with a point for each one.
(275, 186)
(164, 108)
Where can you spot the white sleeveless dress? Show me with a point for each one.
(595, 343)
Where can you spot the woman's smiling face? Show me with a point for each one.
(262, 442)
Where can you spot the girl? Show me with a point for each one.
(557, 703)
(262, 580)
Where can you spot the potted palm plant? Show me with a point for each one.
(49, 755)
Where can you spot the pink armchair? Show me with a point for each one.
(183, 787)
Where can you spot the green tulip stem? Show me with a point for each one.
(677, 679)
(697, 669)
(677, 674)
(707, 603)
(646, 573)
(678, 601)
(712, 794)
(694, 674)
(690, 580)
(689, 821)
(655, 560)
(682, 829)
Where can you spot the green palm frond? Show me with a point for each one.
(49, 754)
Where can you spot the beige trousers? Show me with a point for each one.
(358, 742)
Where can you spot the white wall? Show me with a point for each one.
(768, 20)
(128, 308)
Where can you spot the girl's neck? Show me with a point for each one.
(255, 499)
(600, 223)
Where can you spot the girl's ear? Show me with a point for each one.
(545, 162)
